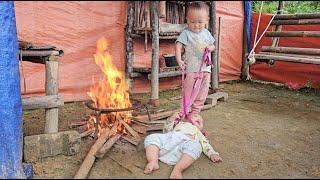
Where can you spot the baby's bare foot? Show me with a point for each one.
(176, 174)
(151, 166)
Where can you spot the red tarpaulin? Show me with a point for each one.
(75, 27)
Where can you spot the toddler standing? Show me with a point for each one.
(194, 40)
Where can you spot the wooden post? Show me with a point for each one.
(155, 53)
(52, 88)
(214, 70)
(219, 45)
(129, 43)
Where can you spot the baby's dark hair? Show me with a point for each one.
(197, 5)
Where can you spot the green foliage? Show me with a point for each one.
(290, 7)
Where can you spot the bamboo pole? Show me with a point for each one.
(293, 34)
(214, 72)
(293, 50)
(129, 43)
(155, 53)
(296, 22)
(297, 16)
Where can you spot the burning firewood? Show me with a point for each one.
(87, 133)
(107, 146)
(112, 105)
(90, 158)
(131, 140)
(131, 131)
(139, 128)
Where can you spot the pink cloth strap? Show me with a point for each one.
(187, 101)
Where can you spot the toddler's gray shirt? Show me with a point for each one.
(194, 44)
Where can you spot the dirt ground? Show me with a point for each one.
(262, 131)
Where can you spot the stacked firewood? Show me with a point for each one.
(139, 126)
(172, 11)
(142, 14)
(175, 12)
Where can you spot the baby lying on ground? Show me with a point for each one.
(180, 146)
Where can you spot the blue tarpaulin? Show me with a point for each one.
(11, 136)
(247, 12)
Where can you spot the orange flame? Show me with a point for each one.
(112, 91)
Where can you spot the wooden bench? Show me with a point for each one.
(49, 56)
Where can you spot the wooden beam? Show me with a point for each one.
(296, 22)
(214, 71)
(291, 55)
(135, 75)
(155, 53)
(129, 43)
(167, 74)
(42, 53)
(293, 50)
(130, 130)
(297, 16)
(52, 88)
(50, 101)
(286, 58)
(87, 133)
(90, 158)
(154, 117)
(293, 34)
(107, 146)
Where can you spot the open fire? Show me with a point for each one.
(109, 93)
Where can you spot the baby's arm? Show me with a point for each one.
(208, 149)
(178, 48)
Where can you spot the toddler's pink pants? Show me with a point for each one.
(200, 92)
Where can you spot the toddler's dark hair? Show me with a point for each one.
(197, 5)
